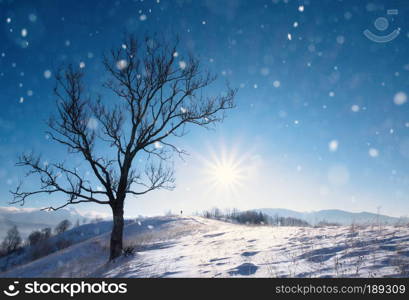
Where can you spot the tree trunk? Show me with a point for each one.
(117, 231)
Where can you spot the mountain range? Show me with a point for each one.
(333, 216)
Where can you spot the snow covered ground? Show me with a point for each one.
(199, 247)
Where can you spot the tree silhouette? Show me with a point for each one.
(12, 241)
(62, 226)
(126, 143)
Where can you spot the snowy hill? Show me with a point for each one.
(199, 247)
(333, 216)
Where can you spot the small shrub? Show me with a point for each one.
(129, 250)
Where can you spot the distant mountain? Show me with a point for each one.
(29, 219)
(332, 215)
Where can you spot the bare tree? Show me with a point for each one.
(62, 226)
(128, 142)
(35, 237)
(12, 241)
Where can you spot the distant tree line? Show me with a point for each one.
(252, 217)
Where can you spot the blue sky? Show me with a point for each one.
(322, 119)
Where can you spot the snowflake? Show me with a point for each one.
(47, 74)
(121, 64)
(182, 65)
(32, 17)
(373, 152)
(92, 124)
(340, 39)
(400, 98)
(265, 71)
(333, 145)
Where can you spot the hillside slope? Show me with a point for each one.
(198, 247)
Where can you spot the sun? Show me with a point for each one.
(225, 173)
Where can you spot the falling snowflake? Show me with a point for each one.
(24, 32)
(355, 108)
(333, 145)
(143, 17)
(265, 71)
(47, 74)
(301, 8)
(82, 65)
(92, 124)
(276, 83)
(400, 98)
(373, 152)
(340, 39)
(121, 64)
(32, 18)
(182, 65)
(289, 36)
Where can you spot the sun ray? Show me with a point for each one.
(227, 171)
